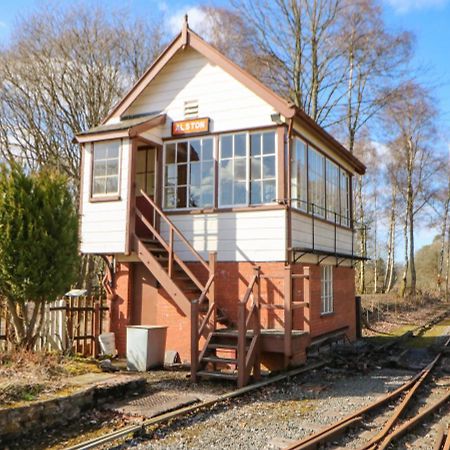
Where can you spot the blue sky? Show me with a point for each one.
(429, 20)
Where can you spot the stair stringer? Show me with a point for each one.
(155, 268)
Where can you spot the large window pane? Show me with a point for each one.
(316, 172)
(105, 176)
(332, 190)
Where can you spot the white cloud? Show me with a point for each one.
(196, 17)
(3, 24)
(406, 6)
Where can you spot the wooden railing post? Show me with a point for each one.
(307, 298)
(170, 268)
(212, 289)
(194, 340)
(257, 327)
(287, 314)
(242, 333)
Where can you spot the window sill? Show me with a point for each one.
(265, 207)
(328, 314)
(107, 198)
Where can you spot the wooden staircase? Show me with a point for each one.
(197, 300)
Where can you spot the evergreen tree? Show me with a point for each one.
(38, 245)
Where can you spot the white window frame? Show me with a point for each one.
(301, 184)
(188, 175)
(332, 190)
(113, 194)
(248, 158)
(326, 290)
(318, 210)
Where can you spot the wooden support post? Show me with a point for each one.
(241, 344)
(194, 340)
(287, 314)
(257, 327)
(307, 299)
(170, 268)
(97, 327)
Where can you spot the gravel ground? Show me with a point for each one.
(272, 417)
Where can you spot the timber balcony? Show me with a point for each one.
(220, 347)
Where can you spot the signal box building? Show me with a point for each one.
(225, 214)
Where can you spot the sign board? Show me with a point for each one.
(191, 126)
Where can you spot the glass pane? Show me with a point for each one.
(207, 172)
(207, 149)
(225, 170)
(182, 151)
(256, 169)
(140, 183)
(269, 143)
(182, 197)
(151, 160)
(113, 150)
(195, 197)
(99, 186)
(240, 145)
(182, 173)
(239, 169)
(255, 192)
(226, 192)
(269, 167)
(195, 150)
(99, 168)
(141, 160)
(99, 151)
(207, 195)
(195, 174)
(169, 198)
(112, 167)
(240, 194)
(150, 188)
(171, 174)
(269, 194)
(226, 149)
(170, 153)
(255, 144)
(112, 185)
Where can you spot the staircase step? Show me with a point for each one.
(148, 241)
(218, 375)
(231, 333)
(156, 249)
(217, 345)
(217, 359)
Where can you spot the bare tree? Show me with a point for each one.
(411, 121)
(61, 74)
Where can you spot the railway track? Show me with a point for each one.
(313, 441)
(394, 428)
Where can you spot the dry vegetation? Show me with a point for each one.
(27, 376)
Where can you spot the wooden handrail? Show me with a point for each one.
(175, 229)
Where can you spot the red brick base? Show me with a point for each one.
(141, 301)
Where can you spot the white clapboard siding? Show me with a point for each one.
(103, 224)
(190, 76)
(323, 235)
(236, 236)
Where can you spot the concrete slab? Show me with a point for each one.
(154, 404)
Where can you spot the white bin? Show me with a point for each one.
(146, 345)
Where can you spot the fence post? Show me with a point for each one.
(97, 327)
(358, 317)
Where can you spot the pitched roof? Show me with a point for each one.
(188, 38)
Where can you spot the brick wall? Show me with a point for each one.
(231, 285)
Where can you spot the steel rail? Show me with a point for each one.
(126, 431)
(322, 436)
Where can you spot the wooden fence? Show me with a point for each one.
(70, 324)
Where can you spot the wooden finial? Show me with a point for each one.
(184, 31)
(186, 20)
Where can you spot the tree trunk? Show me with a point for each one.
(405, 272)
(388, 276)
(443, 234)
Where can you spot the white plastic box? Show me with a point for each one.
(146, 345)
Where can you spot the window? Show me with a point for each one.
(233, 170)
(345, 198)
(299, 177)
(145, 171)
(326, 293)
(262, 168)
(189, 174)
(332, 187)
(316, 180)
(105, 179)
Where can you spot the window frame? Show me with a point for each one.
(345, 222)
(113, 196)
(187, 140)
(147, 149)
(326, 289)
